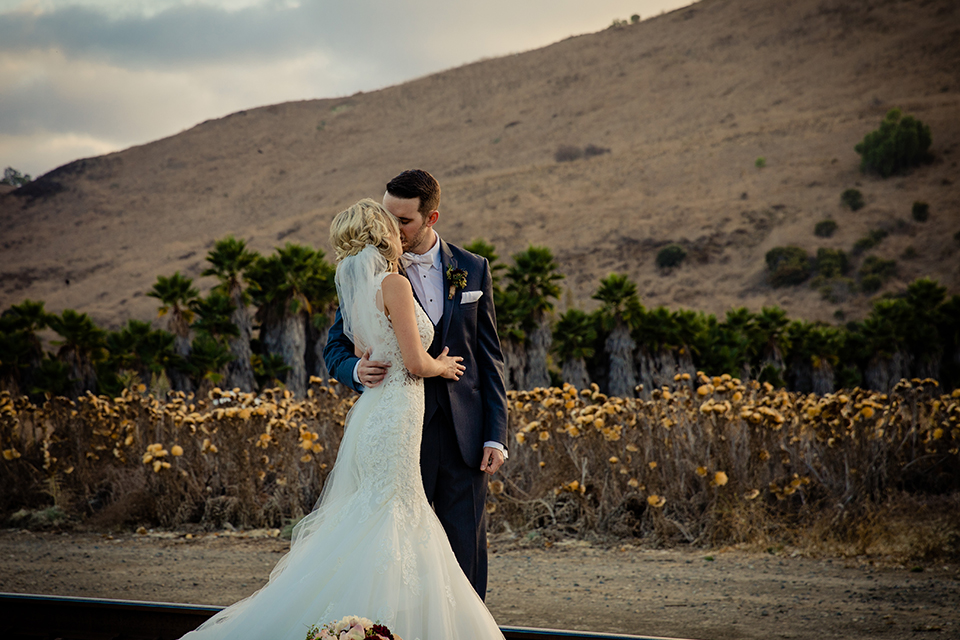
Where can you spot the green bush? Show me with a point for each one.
(14, 178)
(899, 143)
(920, 211)
(870, 240)
(875, 271)
(831, 263)
(635, 18)
(788, 266)
(760, 162)
(825, 228)
(909, 253)
(835, 290)
(852, 198)
(670, 256)
(871, 283)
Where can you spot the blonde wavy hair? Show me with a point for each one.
(366, 222)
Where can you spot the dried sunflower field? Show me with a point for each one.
(706, 461)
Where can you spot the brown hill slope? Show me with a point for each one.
(685, 102)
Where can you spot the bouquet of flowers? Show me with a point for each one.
(351, 628)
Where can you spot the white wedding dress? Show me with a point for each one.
(373, 546)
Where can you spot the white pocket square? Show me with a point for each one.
(470, 296)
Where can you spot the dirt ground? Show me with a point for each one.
(726, 594)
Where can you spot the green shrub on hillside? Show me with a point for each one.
(788, 266)
(870, 240)
(831, 263)
(14, 178)
(852, 198)
(760, 162)
(825, 228)
(920, 211)
(670, 256)
(836, 290)
(899, 143)
(875, 271)
(909, 253)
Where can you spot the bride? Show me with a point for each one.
(372, 547)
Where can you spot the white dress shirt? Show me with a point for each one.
(426, 278)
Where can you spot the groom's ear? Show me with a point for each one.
(432, 218)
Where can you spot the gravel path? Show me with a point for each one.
(678, 593)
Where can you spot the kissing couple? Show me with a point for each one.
(398, 534)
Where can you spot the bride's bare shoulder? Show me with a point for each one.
(396, 283)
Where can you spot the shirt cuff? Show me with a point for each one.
(356, 375)
(497, 445)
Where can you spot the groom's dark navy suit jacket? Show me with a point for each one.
(458, 415)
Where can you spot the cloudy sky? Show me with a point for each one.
(81, 78)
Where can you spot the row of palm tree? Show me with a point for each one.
(207, 340)
(265, 323)
(627, 349)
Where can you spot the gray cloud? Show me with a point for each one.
(80, 77)
(181, 36)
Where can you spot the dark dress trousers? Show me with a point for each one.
(459, 416)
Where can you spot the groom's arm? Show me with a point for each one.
(338, 354)
(489, 359)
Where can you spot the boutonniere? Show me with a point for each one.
(457, 278)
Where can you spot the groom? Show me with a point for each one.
(464, 421)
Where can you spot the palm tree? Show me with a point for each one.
(53, 377)
(81, 348)
(135, 354)
(620, 313)
(813, 356)
(281, 287)
(176, 294)
(228, 261)
(486, 250)
(208, 357)
(322, 295)
(949, 330)
(214, 320)
(21, 352)
(885, 333)
(574, 338)
(533, 278)
(510, 319)
(270, 370)
(924, 340)
(770, 335)
(768, 342)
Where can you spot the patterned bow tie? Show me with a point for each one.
(421, 260)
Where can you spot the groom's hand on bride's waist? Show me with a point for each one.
(369, 372)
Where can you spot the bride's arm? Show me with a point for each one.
(399, 304)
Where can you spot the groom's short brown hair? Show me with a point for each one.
(417, 183)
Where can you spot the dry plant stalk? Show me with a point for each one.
(706, 461)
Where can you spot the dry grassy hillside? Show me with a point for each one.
(686, 102)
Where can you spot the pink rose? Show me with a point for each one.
(355, 632)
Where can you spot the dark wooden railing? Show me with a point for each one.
(34, 617)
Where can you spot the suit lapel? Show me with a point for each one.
(449, 305)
